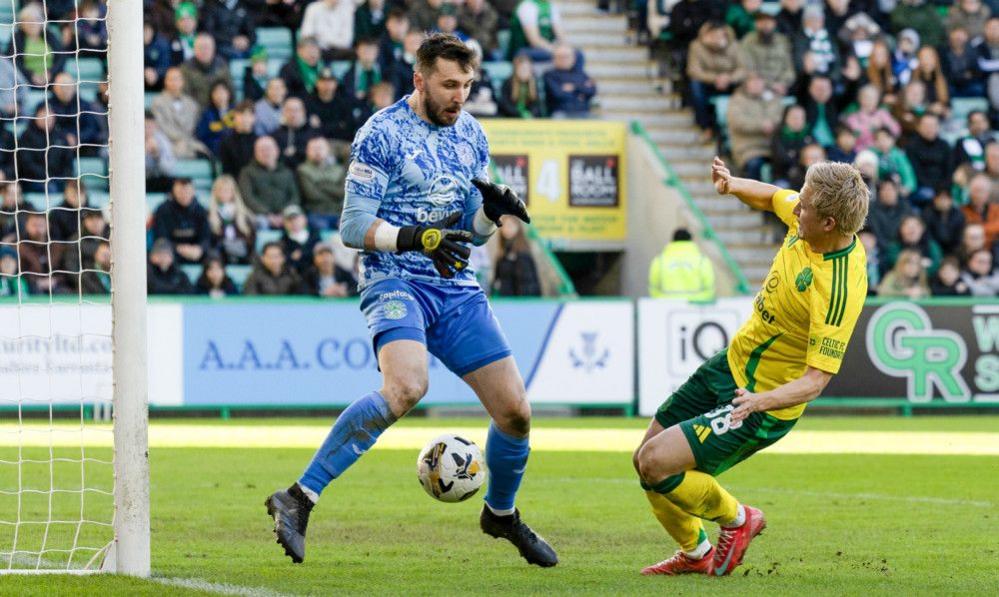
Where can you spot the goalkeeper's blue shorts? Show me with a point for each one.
(455, 323)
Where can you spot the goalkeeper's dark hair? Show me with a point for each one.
(445, 47)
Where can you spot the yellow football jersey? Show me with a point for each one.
(803, 315)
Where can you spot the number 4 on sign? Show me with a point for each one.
(549, 183)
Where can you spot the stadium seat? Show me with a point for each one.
(34, 98)
(99, 199)
(498, 72)
(503, 40)
(962, 106)
(192, 271)
(94, 173)
(194, 169)
(267, 236)
(277, 41)
(339, 68)
(239, 274)
(42, 200)
(87, 69)
(6, 31)
(148, 99)
(154, 200)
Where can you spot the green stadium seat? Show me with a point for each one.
(192, 271)
(87, 69)
(498, 72)
(962, 106)
(99, 199)
(34, 98)
(267, 236)
(720, 103)
(6, 32)
(42, 200)
(277, 40)
(237, 66)
(503, 40)
(194, 169)
(94, 173)
(239, 274)
(340, 68)
(148, 99)
(154, 200)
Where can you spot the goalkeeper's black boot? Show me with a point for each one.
(290, 509)
(532, 546)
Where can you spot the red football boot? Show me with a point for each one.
(732, 543)
(680, 563)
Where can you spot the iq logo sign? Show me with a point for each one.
(901, 342)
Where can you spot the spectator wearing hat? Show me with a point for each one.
(271, 275)
(740, 16)
(267, 185)
(294, 133)
(567, 89)
(479, 20)
(256, 75)
(922, 17)
(236, 146)
(298, 238)
(369, 20)
(302, 70)
(321, 181)
(204, 70)
(177, 116)
(325, 278)
(162, 274)
(231, 23)
(364, 72)
(213, 281)
(186, 24)
(184, 222)
(11, 283)
(331, 24)
(329, 110)
(768, 52)
(156, 57)
(267, 110)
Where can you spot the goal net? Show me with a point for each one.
(73, 474)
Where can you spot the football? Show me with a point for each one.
(451, 468)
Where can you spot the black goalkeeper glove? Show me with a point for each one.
(440, 243)
(499, 200)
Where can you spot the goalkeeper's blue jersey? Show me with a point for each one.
(417, 173)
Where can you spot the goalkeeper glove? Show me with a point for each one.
(499, 200)
(440, 243)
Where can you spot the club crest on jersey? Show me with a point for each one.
(443, 190)
(466, 155)
(394, 310)
(804, 280)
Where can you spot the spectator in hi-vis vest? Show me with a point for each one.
(681, 271)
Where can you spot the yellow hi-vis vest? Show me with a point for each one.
(682, 272)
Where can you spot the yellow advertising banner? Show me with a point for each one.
(572, 175)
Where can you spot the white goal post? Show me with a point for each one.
(74, 490)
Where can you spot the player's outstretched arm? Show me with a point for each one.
(806, 388)
(755, 194)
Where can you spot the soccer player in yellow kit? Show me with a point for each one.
(750, 394)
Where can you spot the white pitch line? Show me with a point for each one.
(198, 584)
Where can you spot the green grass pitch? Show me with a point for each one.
(838, 524)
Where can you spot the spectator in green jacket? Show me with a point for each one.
(267, 185)
(892, 161)
(321, 178)
(921, 16)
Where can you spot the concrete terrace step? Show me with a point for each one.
(756, 255)
(693, 151)
(618, 102)
(598, 69)
(595, 22)
(634, 86)
(728, 220)
(615, 53)
(598, 38)
(744, 236)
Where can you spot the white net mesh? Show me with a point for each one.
(56, 472)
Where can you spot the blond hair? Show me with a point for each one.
(840, 193)
(243, 219)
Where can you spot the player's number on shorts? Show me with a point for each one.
(721, 419)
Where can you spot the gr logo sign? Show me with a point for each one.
(901, 342)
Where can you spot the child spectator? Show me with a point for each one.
(163, 276)
(870, 117)
(298, 239)
(907, 279)
(892, 162)
(231, 223)
(978, 274)
(216, 119)
(270, 275)
(948, 281)
(519, 97)
(184, 222)
(213, 280)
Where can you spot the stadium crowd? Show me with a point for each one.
(906, 90)
(268, 92)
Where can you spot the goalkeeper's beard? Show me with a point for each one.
(436, 112)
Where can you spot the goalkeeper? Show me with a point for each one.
(416, 196)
